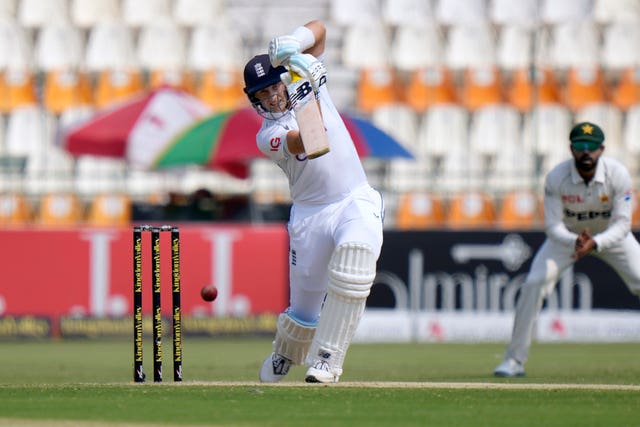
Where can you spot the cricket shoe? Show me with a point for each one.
(274, 368)
(509, 368)
(320, 372)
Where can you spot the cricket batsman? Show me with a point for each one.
(587, 211)
(335, 224)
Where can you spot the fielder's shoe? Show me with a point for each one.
(509, 368)
(274, 368)
(320, 372)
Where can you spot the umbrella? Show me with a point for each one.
(136, 129)
(371, 141)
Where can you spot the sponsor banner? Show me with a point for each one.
(87, 273)
(25, 327)
(552, 326)
(481, 271)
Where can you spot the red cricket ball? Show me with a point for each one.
(209, 293)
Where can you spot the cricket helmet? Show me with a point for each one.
(259, 74)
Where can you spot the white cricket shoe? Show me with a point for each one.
(320, 372)
(274, 368)
(509, 368)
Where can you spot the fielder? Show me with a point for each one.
(335, 224)
(587, 210)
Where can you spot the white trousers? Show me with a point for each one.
(314, 233)
(551, 260)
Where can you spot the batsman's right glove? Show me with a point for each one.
(309, 67)
(282, 48)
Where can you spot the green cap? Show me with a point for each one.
(586, 132)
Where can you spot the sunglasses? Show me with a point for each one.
(585, 145)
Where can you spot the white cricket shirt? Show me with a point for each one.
(603, 206)
(322, 180)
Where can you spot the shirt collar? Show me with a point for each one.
(597, 177)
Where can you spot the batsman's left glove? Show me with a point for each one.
(310, 68)
(282, 48)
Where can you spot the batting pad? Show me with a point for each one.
(351, 272)
(293, 338)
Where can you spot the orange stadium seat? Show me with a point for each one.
(174, 78)
(15, 209)
(470, 209)
(113, 86)
(429, 86)
(585, 85)
(64, 89)
(519, 209)
(520, 94)
(64, 209)
(417, 210)
(221, 89)
(481, 86)
(626, 92)
(17, 88)
(635, 213)
(109, 210)
(376, 86)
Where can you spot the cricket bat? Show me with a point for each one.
(308, 116)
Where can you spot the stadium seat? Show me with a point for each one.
(400, 121)
(17, 89)
(520, 93)
(110, 46)
(635, 213)
(481, 86)
(613, 11)
(215, 46)
(514, 48)
(585, 85)
(178, 79)
(106, 210)
(15, 210)
(58, 46)
(161, 46)
(428, 87)
(442, 129)
(221, 89)
(419, 210)
(519, 209)
(33, 14)
(96, 175)
(620, 48)
(493, 127)
(461, 12)
(376, 87)
(574, 44)
(377, 39)
(554, 12)
(631, 131)
(346, 13)
(191, 13)
(86, 13)
(113, 86)
(417, 47)
(546, 132)
(66, 89)
(470, 46)
(523, 13)
(400, 13)
(63, 209)
(625, 92)
(470, 209)
(138, 13)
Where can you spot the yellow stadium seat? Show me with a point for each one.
(109, 210)
(470, 209)
(64, 89)
(63, 209)
(15, 209)
(585, 85)
(221, 90)
(113, 86)
(429, 86)
(376, 87)
(17, 88)
(519, 209)
(481, 86)
(420, 210)
(626, 91)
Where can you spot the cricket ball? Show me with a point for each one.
(209, 293)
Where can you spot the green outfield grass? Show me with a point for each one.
(79, 383)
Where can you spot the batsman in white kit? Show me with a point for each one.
(587, 211)
(335, 224)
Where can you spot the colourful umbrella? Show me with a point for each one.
(371, 141)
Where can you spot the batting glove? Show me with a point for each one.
(310, 68)
(282, 48)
